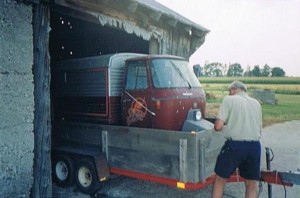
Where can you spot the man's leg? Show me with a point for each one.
(250, 188)
(218, 187)
(251, 169)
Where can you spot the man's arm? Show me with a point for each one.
(219, 124)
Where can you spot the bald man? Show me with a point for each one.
(240, 120)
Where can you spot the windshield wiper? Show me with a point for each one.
(181, 75)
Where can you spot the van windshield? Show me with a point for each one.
(172, 73)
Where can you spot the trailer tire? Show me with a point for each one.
(63, 170)
(86, 177)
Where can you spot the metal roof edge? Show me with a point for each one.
(154, 5)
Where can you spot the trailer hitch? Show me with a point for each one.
(278, 177)
(269, 159)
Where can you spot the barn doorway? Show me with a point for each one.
(78, 35)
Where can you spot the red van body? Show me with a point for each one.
(148, 91)
(159, 92)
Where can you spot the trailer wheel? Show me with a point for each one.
(63, 170)
(86, 177)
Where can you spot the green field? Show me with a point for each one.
(252, 80)
(281, 85)
(287, 94)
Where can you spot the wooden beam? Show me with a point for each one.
(38, 1)
(183, 159)
(105, 143)
(172, 22)
(155, 16)
(33, 1)
(132, 6)
(42, 184)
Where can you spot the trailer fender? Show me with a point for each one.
(101, 167)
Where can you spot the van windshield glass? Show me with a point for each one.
(172, 73)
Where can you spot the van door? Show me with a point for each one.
(136, 99)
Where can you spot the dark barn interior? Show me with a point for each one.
(82, 36)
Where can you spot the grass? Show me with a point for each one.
(287, 93)
(278, 88)
(287, 109)
(251, 80)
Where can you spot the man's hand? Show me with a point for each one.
(219, 124)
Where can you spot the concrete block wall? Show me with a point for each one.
(16, 99)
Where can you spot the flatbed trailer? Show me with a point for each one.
(181, 159)
(178, 159)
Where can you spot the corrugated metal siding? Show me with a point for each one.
(84, 63)
(81, 83)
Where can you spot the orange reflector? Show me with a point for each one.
(180, 185)
(158, 104)
(103, 179)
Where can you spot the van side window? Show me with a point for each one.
(136, 76)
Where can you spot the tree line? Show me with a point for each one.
(216, 69)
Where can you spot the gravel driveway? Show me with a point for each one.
(283, 139)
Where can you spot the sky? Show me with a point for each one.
(249, 32)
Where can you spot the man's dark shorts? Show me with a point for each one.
(244, 155)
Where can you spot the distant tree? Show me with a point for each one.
(213, 69)
(235, 70)
(218, 72)
(208, 69)
(247, 73)
(277, 71)
(266, 71)
(255, 71)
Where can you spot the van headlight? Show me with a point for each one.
(197, 115)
